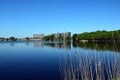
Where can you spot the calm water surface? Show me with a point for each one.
(58, 61)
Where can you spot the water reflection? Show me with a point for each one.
(12, 44)
(98, 46)
(58, 45)
(83, 61)
(38, 44)
(63, 45)
(27, 44)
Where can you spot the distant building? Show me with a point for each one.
(54, 37)
(38, 36)
(61, 36)
(57, 35)
(67, 35)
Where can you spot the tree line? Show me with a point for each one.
(12, 38)
(98, 36)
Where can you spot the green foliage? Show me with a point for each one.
(68, 38)
(74, 37)
(27, 38)
(51, 37)
(98, 35)
(46, 38)
(12, 38)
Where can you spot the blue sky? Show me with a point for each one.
(22, 18)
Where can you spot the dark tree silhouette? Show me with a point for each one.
(12, 38)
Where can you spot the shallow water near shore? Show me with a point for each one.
(58, 61)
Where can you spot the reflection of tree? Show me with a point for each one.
(12, 44)
(98, 46)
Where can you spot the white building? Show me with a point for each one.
(38, 36)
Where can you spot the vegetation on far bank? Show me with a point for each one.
(98, 36)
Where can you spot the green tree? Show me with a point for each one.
(12, 38)
(100, 35)
(51, 37)
(27, 38)
(74, 37)
(46, 38)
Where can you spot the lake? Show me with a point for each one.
(59, 61)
